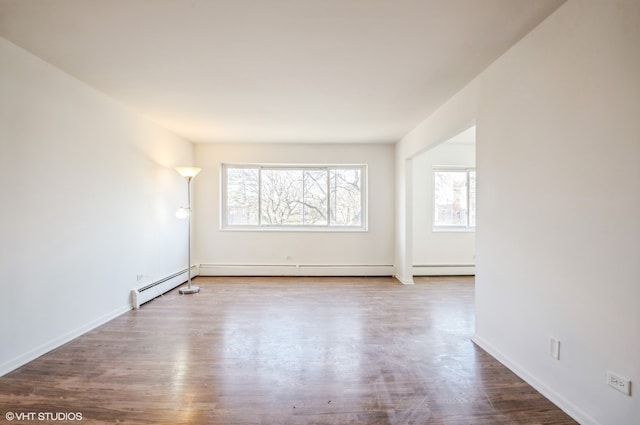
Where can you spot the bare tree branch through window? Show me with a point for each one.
(266, 196)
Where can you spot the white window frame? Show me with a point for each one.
(452, 228)
(224, 226)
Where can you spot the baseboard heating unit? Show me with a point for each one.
(153, 290)
(444, 269)
(295, 270)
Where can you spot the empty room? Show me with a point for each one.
(320, 212)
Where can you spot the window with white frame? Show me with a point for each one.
(289, 197)
(454, 199)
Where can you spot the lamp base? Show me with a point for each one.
(187, 290)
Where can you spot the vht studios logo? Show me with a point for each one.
(43, 416)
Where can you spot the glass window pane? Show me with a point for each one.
(472, 198)
(451, 207)
(345, 191)
(242, 196)
(304, 196)
(282, 197)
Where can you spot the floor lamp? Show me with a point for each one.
(185, 212)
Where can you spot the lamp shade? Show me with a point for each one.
(182, 213)
(188, 171)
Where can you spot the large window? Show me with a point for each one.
(293, 197)
(454, 199)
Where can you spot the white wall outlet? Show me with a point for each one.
(554, 348)
(619, 383)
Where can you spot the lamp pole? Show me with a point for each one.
(189, 173)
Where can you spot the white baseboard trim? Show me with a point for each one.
(25, 358)
(556, 398)
(295, 270)
(444, 270)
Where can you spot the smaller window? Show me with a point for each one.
(454, 199)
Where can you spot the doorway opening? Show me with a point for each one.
(443, 208)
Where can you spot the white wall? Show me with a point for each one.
(373, 248)
(558, 149)
(559, 222)
(440, 252)
(88, 203)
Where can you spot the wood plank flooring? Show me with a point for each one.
(284, 351)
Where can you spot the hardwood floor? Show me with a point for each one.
(284, 351)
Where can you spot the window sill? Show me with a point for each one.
(453, 230)
(294, 229)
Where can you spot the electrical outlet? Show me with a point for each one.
(619, 383)
(554, 348)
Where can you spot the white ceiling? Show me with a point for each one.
(275, 70)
